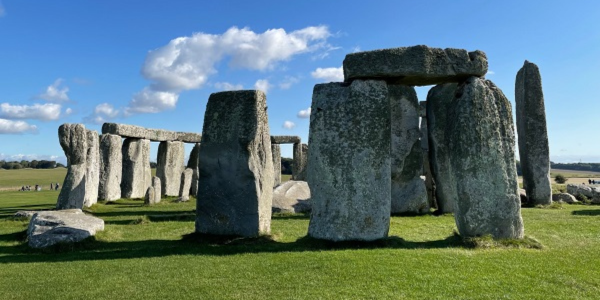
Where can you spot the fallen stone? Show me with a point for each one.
(155, 135)
(578, 190)
(48, 228)
(534, 151)
(276, 152)
(285, 139)
(74, 142)
(416, 65)
(292, 197)
(111, 167)
(235, 190)
(349, 161)
(185, 184)
(169, 166)
(564, 197)
(25, 213)
(92, 177)
(136, 168)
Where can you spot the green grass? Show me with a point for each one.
(149, 253)
(15, 179)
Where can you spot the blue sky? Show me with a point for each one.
(155, 63)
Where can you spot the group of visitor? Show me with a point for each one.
(27, 188)
(592, 181)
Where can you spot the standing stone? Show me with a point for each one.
(276, 151)
(92, 177)
(169, 166)
(304, 160)
(157, 187)
(429, 182)
(236, 166)
(111, 167)
(186, 182)
(136, 168)
(150, 196)
(193, 163)
(439, 102)
(534, 151)
(408, 191)
(297, 163)
(73, 140)
(349, 161)
(482, 157)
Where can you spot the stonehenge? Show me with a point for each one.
(169, 166)
(92, 174)
(74, 142)
(193, 162)
(136, 168)
(111, 167)
(276, 152)
(185, 184)
(298, 164)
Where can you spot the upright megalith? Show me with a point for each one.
(136, 168)
(301, 166)
(193, 163)
(439, 102)
(349, 161)
(534, 151)
(482, 161)
(157, 189)
(185, 184)
(408, 191)
(92, 176)
(236, 166)
(276, 152)
(169, 166)
(111, 167)
(74, 142)
(429, 182)
(298, 163)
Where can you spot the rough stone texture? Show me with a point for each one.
(423, 109)
(276, 152)
(534, 152)
(482, 156)
(73, 140)
(292, 197)
(416, 65)
(297, 164)
(592, 193)
(169, 165)
(427, 174)
(48, 228)
(150, 197)
(157, 189)
(155, 135)
(193, 163)
(25, 213)
(408, 191)
(111, 167)
(285, 139)
(136, 168)
(185, 184)
(439, 102)
(236, 166)
(302, 166)
(349, 161)
(92, 177)
(564, 197)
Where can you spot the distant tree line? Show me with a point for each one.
(594, 167)
(34, 164)
(286, 165)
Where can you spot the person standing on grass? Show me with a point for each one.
(56, 187)
(51, 185)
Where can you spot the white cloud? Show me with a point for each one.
(16, 127)
(226, 86)
(54, 93)
(151, 101)
(68, 111)
(305, 113)
(490, 72)
(287, 82)
(329, 74)
(263, 85)
(43, 112)
(289, 125)
(102, 113)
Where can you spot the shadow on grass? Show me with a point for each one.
(595, 212)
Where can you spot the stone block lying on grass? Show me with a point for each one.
(292, 197)
(564, 197)
(48, 228)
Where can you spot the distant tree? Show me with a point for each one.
(33, 164)
(60, 165)
(286, 165)
(559, 178)
(152, 165)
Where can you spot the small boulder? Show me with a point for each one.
(150, 197)
(292, 197)
(48, 228)
(564, 197)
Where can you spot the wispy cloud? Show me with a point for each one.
(305, 113)
(490, 72)
(43, 112)
(102, 113)
(328, 74)
(287, 82)
(226, 86)
(289, 125)
(263, 85)
(16, 127)
(2, 10)
(55, 93)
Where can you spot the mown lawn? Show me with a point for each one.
(148, 253)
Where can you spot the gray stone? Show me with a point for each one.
(136, 168)
(111, 167)
(482, 156)
(285, 139)
(185, 184)
(408, 191)
(73, 140)
(534, 152)
(48, 228)
(236, 166)
(155, 135)
(302, 165)
(439, 102)
(276, 152)
(297, 164)
(416, 65)
(150, 197)
(349, 161)
(578, 190)
(193, 163)
(92, 177)
(157, 189)
(169, 165)
(427, 173)
(564, 197)
(25, 213)
(292, 197)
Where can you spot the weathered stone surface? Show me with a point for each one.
(483, 162)
(423, 109)
(169, 165)
(298, 162)
(111, 167)
(439, 102)
(136, 168)
(155, 135)
(48, 228)
(73, 140)
(349, 161)
(592, 193)
(25, 213)
(150, 197)
(302, 166)
(276, 152)
(193, 163)
(292, 197)
(564, 197)
(408, 191)
(534, 152)
(416, 65)
(157, 189)
(185, 184)
(92, 177)
(285, 139)
(236, 166)
(427, 174)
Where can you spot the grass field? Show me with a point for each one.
(147, 253)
